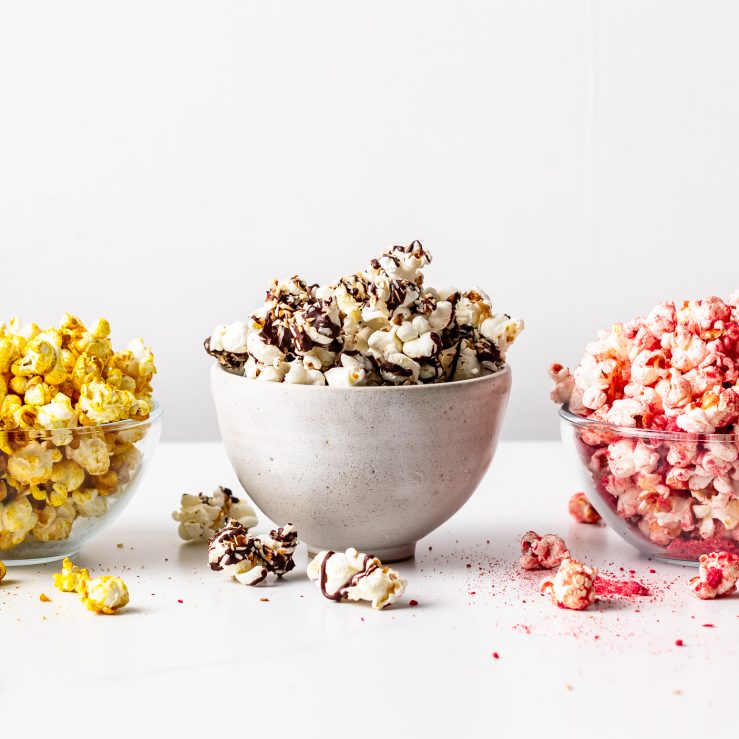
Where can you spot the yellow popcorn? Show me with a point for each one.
(54, 523)
(8, 354)
(106, 594)
(71, 579)
(91, 454)
(55, 381)
(67, 476)
(39, 356)
(57, 414)
(89, 503)
(3, 571)
(32, 465)
(17, 518)
(38, 392)
(101, 403)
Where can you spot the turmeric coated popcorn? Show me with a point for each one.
(106, 594)
(71, 579)
(58, 387)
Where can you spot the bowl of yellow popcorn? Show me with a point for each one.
(78, 426)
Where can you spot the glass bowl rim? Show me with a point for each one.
(125, 425)
(681, 436)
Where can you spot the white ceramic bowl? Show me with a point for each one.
(376, 468)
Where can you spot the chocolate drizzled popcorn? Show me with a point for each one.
(251, 559)
(200, 515)
(381, 326)
(352, 575)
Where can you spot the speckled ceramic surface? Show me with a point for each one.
(374, 468)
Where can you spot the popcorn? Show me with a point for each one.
(581, 509)
(71, 579)
(573, 586)
(718, 575)
(52, 382)
(3, 571)
(352, 575)
(250, 559)
(381, 326)
(106, 594)
(542, 552)
(674, 371)
(201, 516)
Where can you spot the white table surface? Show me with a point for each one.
(300, 663)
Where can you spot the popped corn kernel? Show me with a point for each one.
(573, 585)
(54, 522)
(542, 552)
(251, 559)
(201, 516)
(71, 579)
(718, 575)
(106, 594)
(352, 575)
(581, 509)
(3, 571)
(33, 464)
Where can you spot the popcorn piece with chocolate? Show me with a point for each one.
(542, 552)
(581, 509)
(718, 575)
(378, 326)
(106, 594)
(251, 559)
(352, 575)
(573, 585)
(201, 516)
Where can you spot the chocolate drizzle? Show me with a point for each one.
(369, 565)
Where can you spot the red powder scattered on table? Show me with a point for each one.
(607, 588)
(679, 643)
(709, 626)
(412, 603)
(496, 655)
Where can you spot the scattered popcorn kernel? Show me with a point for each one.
(201, 516)
(71, 579)
(573, 585)
(542, 552)
(106, 594)
(352, 575)
(581, 509)
(251, 559)
(3, 571)
(718, 575)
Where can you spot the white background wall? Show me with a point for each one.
(160, 162)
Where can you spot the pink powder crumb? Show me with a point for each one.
(607, 588)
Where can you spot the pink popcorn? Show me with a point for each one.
(718, 575)
(573, 586)
(563, 383)
(581, 509)
(674, 371)
(542, 552)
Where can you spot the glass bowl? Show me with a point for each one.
(672, 495)
(60, 488)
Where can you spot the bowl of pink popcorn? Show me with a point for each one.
(651, 414)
